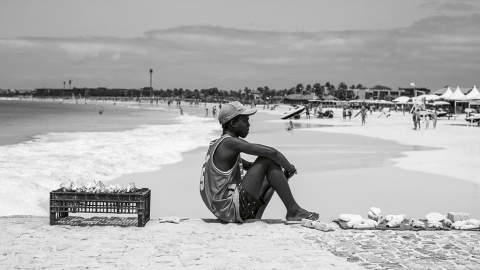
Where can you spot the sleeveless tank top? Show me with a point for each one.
(218, 189)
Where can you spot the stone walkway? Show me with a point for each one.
(31, 243)
(403, 249)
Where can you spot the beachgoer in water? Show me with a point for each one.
(233, 198)
(181, 111)
(290, 126)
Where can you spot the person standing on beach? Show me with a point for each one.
(363, 114)
(434, 119)
(416, 119)
(307, 112)
(234, 197)
(426, 119)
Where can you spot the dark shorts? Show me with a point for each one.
(249, 205)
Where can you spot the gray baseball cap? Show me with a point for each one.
(233, 109)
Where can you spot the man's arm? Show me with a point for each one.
(230, 148)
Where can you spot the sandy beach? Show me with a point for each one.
(346, 168)
(343, 168)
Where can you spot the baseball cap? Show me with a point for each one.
(233, 109)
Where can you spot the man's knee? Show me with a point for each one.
(266, 162)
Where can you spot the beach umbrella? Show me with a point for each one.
(427, 97)
(402, 99)
(440, 102)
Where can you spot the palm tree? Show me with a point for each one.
(69, 84)
(299, 88)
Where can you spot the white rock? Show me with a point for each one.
(458, 224)
(475, 222)
(376, 211)
(362, 226)
(435, 216)
(396, 217)
(349, 217)
(469, 227)
(370, 222)
(434, 224)
(393, 223)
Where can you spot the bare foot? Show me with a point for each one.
(301, 214)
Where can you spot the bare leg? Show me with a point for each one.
(258, 186)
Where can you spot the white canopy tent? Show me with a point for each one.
(447, 93)
(476, 97)
(473, 94)
(456, 96)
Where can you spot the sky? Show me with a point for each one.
(196, 44)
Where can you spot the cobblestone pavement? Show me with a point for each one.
(403, 249)
(31, 243)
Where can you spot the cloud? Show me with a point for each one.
(459, 6)
(437, 50)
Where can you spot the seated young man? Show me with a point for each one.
(232, 197)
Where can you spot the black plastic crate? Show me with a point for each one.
(64, 202)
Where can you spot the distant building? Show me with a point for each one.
(380, 94)
(414, 91)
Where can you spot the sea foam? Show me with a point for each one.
(30, 170)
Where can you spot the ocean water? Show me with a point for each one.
(31, 169)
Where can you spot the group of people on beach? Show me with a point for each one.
(418, 116)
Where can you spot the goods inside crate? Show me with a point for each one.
(63, 202)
